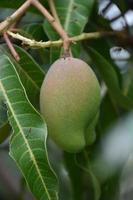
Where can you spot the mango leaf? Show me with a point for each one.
(108, 114)
(73, 15)
(35, 30)
(4, 125)
(114, 153)
(75, 174)
(95, 185)
(126, 182)
(130, 90)
(105, 52)
(28, 141)
(109, 75)
(122, 5)
(128, 83)
(16, 4)
(89, 178)
(26, 19)
(30, 72)
(110, 188)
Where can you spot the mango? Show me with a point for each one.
(69, 102)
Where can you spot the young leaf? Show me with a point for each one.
(110, 77)
(28, 141)
(73, 15)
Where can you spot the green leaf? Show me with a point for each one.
(4, 125)
(108, 114)
(105, 52)
(114, 151)
(122, 5)
(28, 141)
(109, 75)
(128, 83)
(11, 4)
(126, 181)
(110, 188)
(96, 185)
(4, 131)
(90, 179)
(75, 174)
(35, 30)
(73, 15)
(111, 154)
(16, 4)
(30, 72)
(130, 91)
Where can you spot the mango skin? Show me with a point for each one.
(69, 102)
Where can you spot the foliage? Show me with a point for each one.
(98, 172)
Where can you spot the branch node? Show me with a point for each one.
(52, 20)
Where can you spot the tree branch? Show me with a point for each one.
(53, 10)
(55, 15)
(11, 47)
(5, 25)
(58, 43)
(57, 26)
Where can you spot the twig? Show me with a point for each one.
(53, 10)
(11, 47)
(92, 35)
(54, 23)
(58, 43)
(55, 15)
(4, 26)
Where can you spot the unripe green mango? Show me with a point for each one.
(69, 102)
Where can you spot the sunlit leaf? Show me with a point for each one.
(30, 72)
(28, 141)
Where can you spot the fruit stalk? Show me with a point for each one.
(57, 26)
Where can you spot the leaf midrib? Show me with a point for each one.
(70, 6)
(21, 131)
